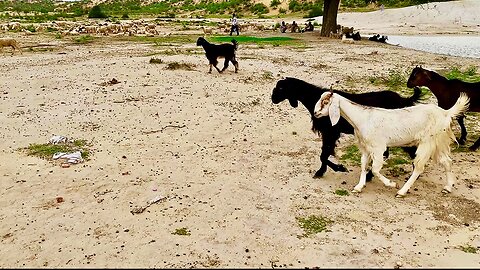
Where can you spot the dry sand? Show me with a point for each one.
(232, 168)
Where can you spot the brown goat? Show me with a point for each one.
(10, 42)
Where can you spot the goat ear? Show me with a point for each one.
(334, 111)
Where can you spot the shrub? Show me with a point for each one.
(274, 3)
(315, 11)
(259, 8)
(96, 12)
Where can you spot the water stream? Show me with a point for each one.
(465, 46)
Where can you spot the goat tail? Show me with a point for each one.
(417, 93)
(235, 44)
(460, 107)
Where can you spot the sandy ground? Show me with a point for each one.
(230, 167)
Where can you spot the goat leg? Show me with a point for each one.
(365, 159)
(328, 149)
(377, 166)
(463, 136)
(475, 145)
(225, 64)
(235, 64)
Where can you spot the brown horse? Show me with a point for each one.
(447, 92)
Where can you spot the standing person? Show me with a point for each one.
(234, 24)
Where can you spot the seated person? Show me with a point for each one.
(295, 27)
(283, 27)
(309, 27)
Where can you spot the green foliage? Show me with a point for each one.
(96, 12)
(313, 224)
(259, 8)
(51, 10)
(294, 5)
(315, 12)
(275, 3)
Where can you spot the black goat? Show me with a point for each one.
(378, 38)
(353, 36)
(214, 51)
(296, 90)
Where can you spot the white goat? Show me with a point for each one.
(425, 125)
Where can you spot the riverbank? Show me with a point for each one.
(435, 18)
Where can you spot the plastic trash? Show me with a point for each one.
(74, 158)
(58, 139)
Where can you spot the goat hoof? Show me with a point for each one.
(356, 190)
(462, 141)
(318, 174)
(341, 168)
(369, 176)
(400, 196)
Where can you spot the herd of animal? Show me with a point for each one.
(378, 120)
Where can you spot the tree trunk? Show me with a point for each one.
(330, 11)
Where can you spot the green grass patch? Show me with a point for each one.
(395, 80)
(84, 39)
(182, 231)
(468, 75)
(177, 65)
(394, 164)
(313, 224)
(352, 154)
(47, 150)
(341, 192)
(468, 249)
